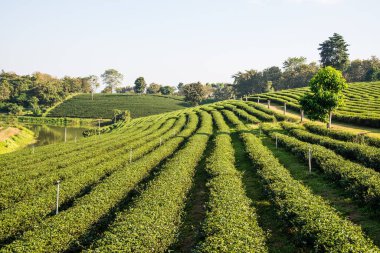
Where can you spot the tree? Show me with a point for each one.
(297, 73)
(94, 84)
(326, 95)
(194, 93)
(119, 115)
(180, 89)
(140, 85)
(112, 78)
(167, 90)
(153, 88)
(272, 74)
(107, 89)
(334, 52)
(292, 63)
(224, 92)
(248, 82)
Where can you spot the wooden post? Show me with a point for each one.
(65, 134)
(268, 104)
(284, 108)
(258, 100)
(301, 115)
(57, 204)
(309, 159)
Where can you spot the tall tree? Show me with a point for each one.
(326, 94)
(334, 52)
(140, 85)
(194, 93)
(112, 78)
(94, 84)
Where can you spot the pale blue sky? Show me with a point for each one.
(173, 41)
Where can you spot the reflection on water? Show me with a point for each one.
(53, 134)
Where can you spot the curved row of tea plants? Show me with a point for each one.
(342, 135)
(362, 104)
(62, 232)
(366, 155)
(150, 225)
(361, 182)
(15, 191)
(230, 224)
(26, 214)
(317, 223)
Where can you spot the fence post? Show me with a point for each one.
(268, 104)
(57, 205)
(284, 108)
(309, 159)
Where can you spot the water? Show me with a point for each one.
(54, 134)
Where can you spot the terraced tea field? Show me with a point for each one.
(231, 176)
(362, 102)
(82, 106)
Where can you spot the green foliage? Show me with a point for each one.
(36, 92)
(140, 85)
(167, 90)
(224, 92)
(343, 135)
(362, 183)
(81, 106)
(361, 107)
(194, 93)
(112, 78)
(153, 88)
(315, 221)
(334, 52)
(327, 94)
(119, 115)
(151, 224)
(366, 155)
(230, 224)
(105, 195)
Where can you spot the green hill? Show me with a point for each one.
(223, 177)
(362, 102)
(81, 106)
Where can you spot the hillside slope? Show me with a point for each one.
(206, 179)
(81, 106)
(362, 102)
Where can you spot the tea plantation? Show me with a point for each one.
(231, 176)
(82, 106)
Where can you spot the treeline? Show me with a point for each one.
(296, 73)
(37, 92)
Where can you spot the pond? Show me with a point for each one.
(46, 134)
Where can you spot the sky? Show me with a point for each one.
(172, 41)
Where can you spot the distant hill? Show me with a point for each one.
(81, 106)
(362, 102)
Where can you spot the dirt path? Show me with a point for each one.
(8, 132)
(374, 132)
